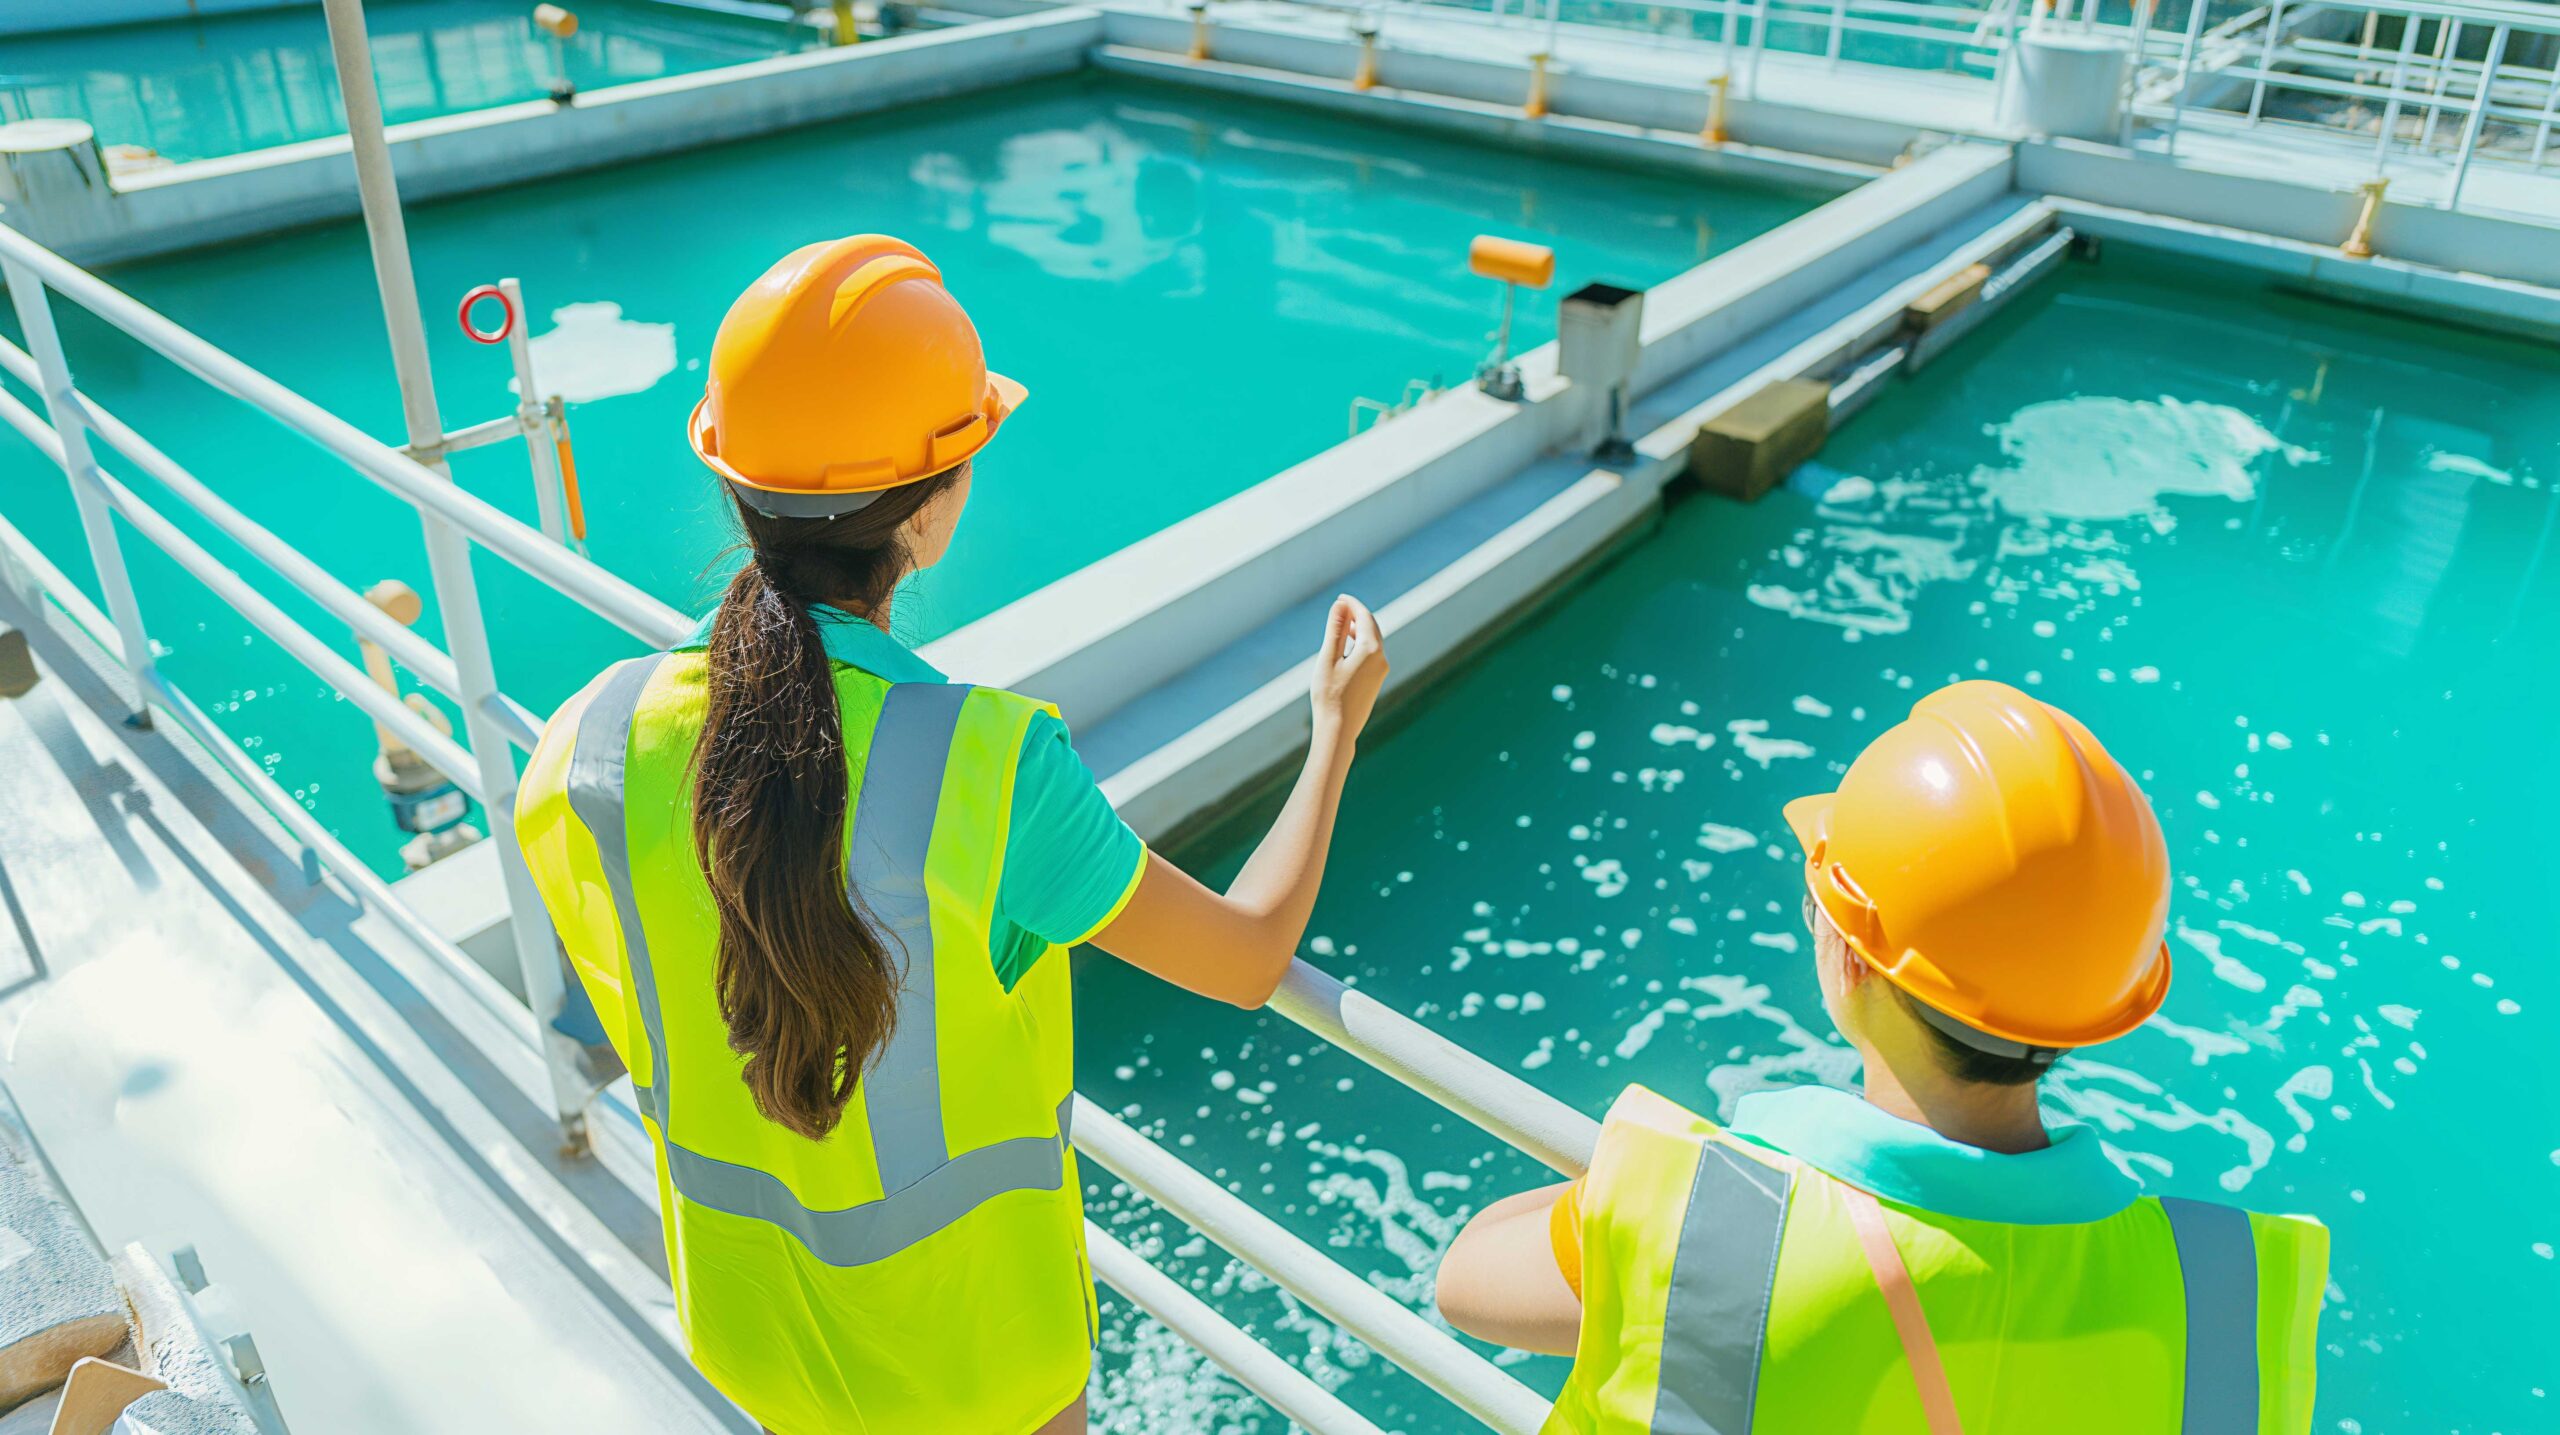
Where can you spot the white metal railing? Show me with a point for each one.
(2443, 84)
(482, 766)
(1902, 34)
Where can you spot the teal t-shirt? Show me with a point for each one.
(1070, 863)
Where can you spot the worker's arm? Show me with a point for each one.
(1500, 1280)
(1236, 945)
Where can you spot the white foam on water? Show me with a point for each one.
(2226, 967)
(2114, 1099)
(2098, 457)
(2439, 461)
(1716, 837)
(1764, 750)
(592, 352)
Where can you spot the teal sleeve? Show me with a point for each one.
(1070, 863)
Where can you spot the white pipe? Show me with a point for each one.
(549, 499)
(449, 558)
(1528, 1119)
(44, 344)
(600, 592)
(1282, 1386)
(341, 602)
(325, 662)
(1423, 1350)
(50, 580)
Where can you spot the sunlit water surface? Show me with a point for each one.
(2294, 562)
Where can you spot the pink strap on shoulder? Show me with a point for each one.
(1910, 1322)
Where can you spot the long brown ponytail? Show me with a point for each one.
(807, 982)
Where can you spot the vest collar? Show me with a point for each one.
(849, 640)
(1841, 1135)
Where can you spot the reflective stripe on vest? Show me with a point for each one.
(925, 1187)
(2218, 1263)
(1718, 1313)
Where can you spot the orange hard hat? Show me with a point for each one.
(846, 370)
(1988, 857)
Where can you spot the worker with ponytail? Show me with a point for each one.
(820, 895)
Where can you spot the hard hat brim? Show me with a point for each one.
(1003, 396)
(1810, 819)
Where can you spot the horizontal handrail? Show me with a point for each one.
(1282, 1386)
(599, 591)
(440, 751)
(1529, 1120)
(1420, 1348)
(430, 663)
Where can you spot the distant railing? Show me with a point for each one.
(483, 765)
(2436, 83)
(1902, 34)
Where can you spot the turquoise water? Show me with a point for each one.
(2295, 562)
(1194, 289)
(194, 89)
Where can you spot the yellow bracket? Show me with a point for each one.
(1199, 32)
(1714, 133)
(1536, 108)
(2359, 243)
(1365, 78)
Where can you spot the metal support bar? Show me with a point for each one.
(1284, 1387)
(62, 409)
(479, 435)
(549, 501)
(1418, 1347)
(324, 661)
(314, 582)
(449, 563)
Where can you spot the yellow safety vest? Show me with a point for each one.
(922, 1269)
(1725, 1291)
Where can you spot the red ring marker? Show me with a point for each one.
(487, 336)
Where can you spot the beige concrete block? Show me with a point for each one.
(1950, 297)
(1751, 447)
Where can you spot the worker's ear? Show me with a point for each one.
(929, 529)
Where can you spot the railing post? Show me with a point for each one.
(1759, 47)
(2550, 116)
(2399, 84)
(2448, 51)
(2266, 58)
(2186, 72)
(449, 565)
(2480, 100)
(2142, 12)
(97, 520)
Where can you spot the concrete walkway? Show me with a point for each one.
(205, 1045)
